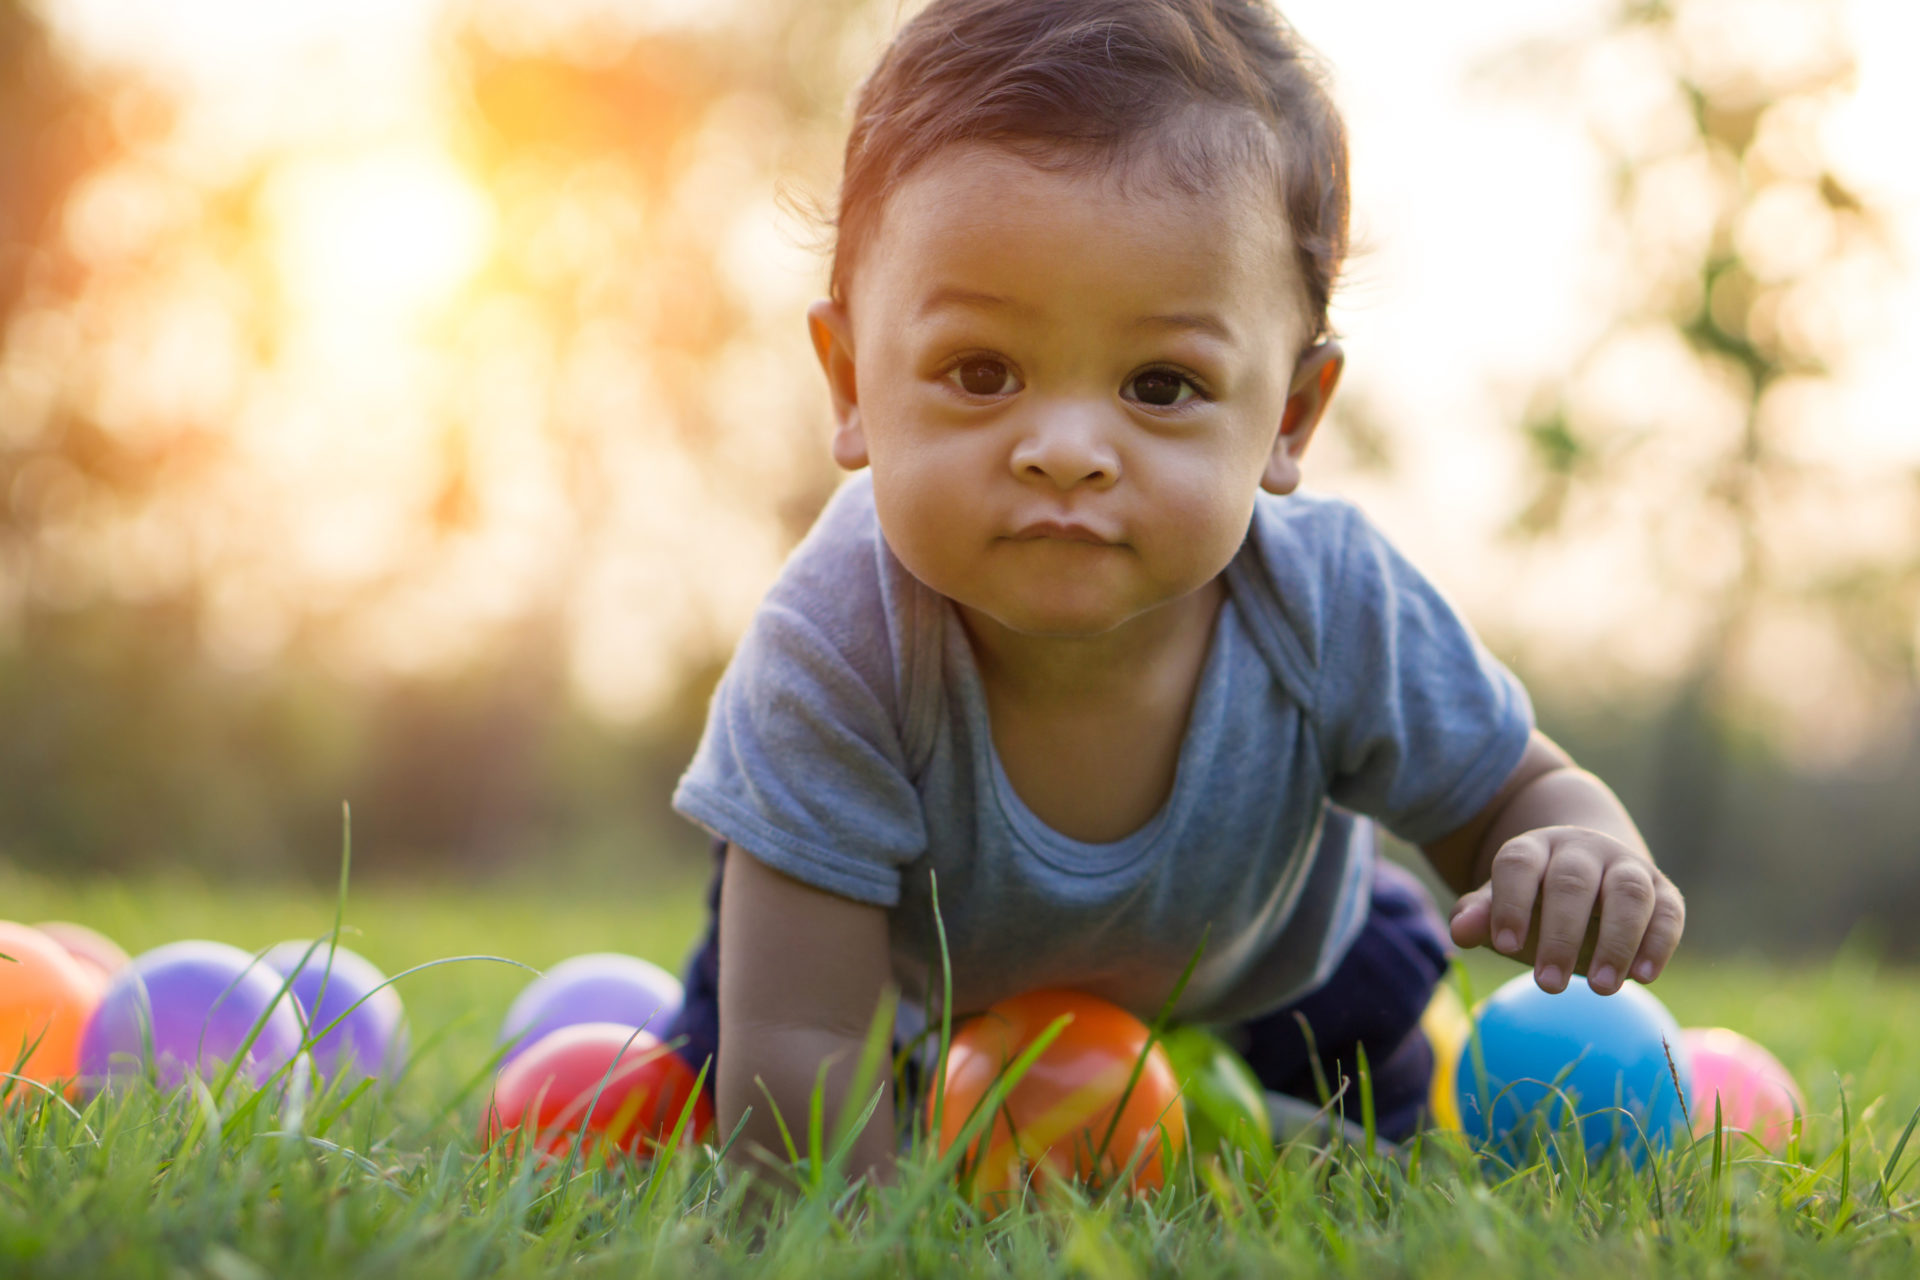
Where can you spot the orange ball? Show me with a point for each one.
(1056, 1121)
(46, 998)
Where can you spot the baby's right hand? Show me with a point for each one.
(1602, 908)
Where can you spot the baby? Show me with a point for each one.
(1073, 661)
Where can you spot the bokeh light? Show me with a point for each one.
(410, 323)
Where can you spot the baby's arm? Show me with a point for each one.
(801, 973)
(1553, 871)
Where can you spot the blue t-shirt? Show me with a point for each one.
(848, 746)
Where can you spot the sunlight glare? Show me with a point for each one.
(376, 239)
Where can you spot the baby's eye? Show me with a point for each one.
(984, 376)
(1162, 388)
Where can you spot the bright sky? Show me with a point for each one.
(1482, 263)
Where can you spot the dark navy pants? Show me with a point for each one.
(1373, 1000)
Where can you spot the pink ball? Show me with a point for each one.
(96, 952)
(1757, 1095)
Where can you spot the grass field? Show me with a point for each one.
(238, 1186)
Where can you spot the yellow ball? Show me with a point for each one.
(1447, 1027)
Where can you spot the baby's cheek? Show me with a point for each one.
(1205, 521)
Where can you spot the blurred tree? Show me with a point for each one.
(1748, 268)
(48, 134)
(566, 488)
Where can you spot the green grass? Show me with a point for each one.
(395, 1185)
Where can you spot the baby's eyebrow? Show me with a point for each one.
(1204, 322)
(954, 296)
(1198, 321)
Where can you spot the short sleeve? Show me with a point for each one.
(1420, 724)
(801, 763)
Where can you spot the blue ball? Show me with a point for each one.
(1545, 1061)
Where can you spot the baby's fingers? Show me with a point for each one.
(1663, 931)
(1515, 883)
(1626, 908)
(1471, 918)
(1567, 889)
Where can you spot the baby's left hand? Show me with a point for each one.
(1573, 900)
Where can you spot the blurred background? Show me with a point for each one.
(405, 402)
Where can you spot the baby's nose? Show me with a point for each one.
(1067, 447)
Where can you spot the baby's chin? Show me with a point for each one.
(1055, 618)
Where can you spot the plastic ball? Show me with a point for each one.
(1756, 1094)
(95, 951)
(1226, 1106)
(371, 1040)
(1058, 1121)
(601, 987)
(189, 1007)
(46, 997)
(1550, 1060)
(642, 1086)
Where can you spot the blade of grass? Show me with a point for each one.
(866, 1081)
(786, 1136)
(53, 1093)
(908, 1210)
(1719, 1129)
(1721, 1196)
(817, 1127)
(717, 1158)
(1888, 1183)
(1841, 1210)
(1155, 1030)
(1367, 1126)
(938, 1118)
(664, 1153)
(339, 910)
(1320, 1086)
(1679, 1089)
(593, 1103)
(238, 1059)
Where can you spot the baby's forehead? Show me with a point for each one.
(1017, 222)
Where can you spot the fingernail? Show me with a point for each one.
(1644, 971)
(1603, 979)
(1549, 979)
(1506, 941)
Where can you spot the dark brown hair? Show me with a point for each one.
(1207, 90)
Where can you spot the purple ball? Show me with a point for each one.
(602, 987)
(371, 1040)
(195, 1003)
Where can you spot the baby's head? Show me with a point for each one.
(1199, 93)
(1078, 313)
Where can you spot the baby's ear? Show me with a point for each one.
(1314, 379)
(832, 332)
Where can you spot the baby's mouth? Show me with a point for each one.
(1061, 531)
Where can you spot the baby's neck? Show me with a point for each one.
(1089, 731)
(1120, 666)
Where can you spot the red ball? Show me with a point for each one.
(643, 1087)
